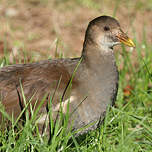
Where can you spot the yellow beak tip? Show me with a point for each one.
(131, 43)
(128, 42)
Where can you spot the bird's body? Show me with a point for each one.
(94, 78)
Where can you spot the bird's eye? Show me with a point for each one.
(106, 28)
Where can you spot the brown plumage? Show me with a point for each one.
(95, 80)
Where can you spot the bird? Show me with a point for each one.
(83, 86)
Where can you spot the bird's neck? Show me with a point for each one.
(95, 56)
(101, 72)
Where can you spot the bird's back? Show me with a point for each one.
(37, 80)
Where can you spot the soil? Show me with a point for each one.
(40, 27)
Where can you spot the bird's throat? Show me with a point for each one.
(95, 57)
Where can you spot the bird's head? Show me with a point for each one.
(105, 32)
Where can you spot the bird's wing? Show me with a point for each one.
(36, 79)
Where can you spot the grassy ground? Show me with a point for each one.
(127, 126)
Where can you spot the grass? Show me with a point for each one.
(127, 126)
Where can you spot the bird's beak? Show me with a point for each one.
(123, 38)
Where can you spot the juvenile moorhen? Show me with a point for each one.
(88, 83)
